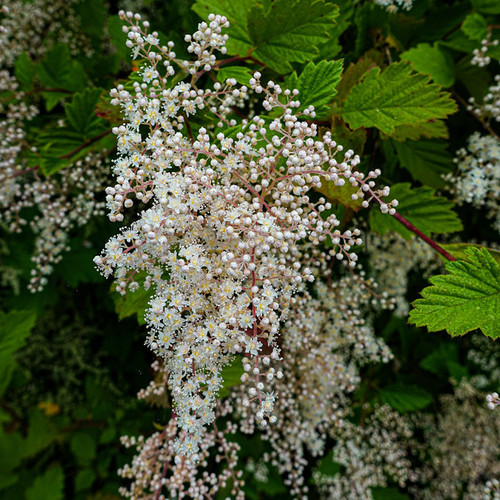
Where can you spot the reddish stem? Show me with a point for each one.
(406, 223)
(85, 144)
(21, 172)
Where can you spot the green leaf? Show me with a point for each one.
(84, 479)
(316, 85)
(436, 361)
(78, 266)
(379, 493)
(433, 129)
(81, 113)
(241, 74)
(10, 457)
(433, 60)
(327, 466)
(117, 37)
(353, 74)
(475, 27)
(458, 250)
(41, 432)
(83, 446)
(476, 79)
(404, 397)
(456, 370)
(15, 327)
(25, 71)
(350, 139)
(231, 374)
(289, 31)
(7, 478)
(49, 486)
(92, 15)
(133, 302)
(236, 12)
(426, 160)
(340, 194)
(59, 71)
(460, 41)
(429, 213)
(332, 47)
(487, 6)
(61, 146)
(396, 96)
(465, 299)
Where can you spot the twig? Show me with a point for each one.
(85, 144)
(406, 223)
(485, 124)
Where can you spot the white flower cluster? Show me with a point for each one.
(323, 345)
(222, 242)
(489, 109)
(24, 27)
(390, 263)
(477, 180)
(461, 446)
(491, 490)
(372, 454)
(480, 57)
(14, 113)
(156, 467)
(63, 201)
(395, 5)
(492, 400)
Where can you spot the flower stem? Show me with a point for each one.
(406, 223)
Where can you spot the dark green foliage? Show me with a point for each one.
(429, 213)
(388, 86)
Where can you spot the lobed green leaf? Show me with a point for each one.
(316, 85)
(395, 96)
(287, 31)
(434, 60)
(48, 486)
(465, 299)
(15, 327)
(427, 161)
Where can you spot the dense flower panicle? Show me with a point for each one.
(14, 112)
(228, 207)
(370, 454)
(324, 342)
(69, 198)
(157, 469)
(477, 180)
(64, 201)
(462, 445)
(24, 28)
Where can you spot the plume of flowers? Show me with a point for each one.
(230, 216)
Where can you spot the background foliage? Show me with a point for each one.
(392, 85)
